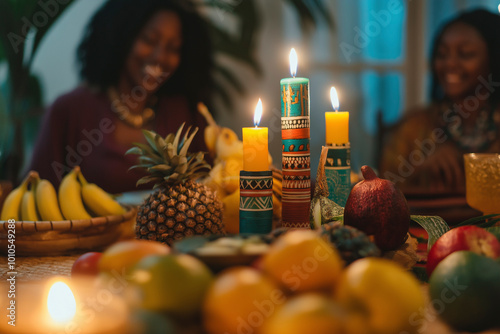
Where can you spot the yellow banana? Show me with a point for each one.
(11, 208)
(228, 145)
(70, 197)
(211, 131)
(46, 201)
(28, 205)
(98, 200)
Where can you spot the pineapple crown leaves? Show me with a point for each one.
(167, 160)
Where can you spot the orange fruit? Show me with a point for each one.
(306, 313)
(300, 260)
(390, 297)
(123, 255)
(174, 284)
(239, 301)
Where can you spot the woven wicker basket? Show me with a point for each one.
(53, 238)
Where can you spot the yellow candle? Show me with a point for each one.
(337, 123)
(255, 145)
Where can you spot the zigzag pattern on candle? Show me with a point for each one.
(256, 184)
(296, 161)
(297, 182)
(256, 203)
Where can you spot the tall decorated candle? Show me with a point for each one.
(256, 180)
(296, 160)
(338, 162)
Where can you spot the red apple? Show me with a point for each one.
(470, 238)
(86, 264)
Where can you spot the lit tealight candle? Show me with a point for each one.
(337, 122)
(255, 145)
(61, 303)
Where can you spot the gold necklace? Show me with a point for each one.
(122, 110)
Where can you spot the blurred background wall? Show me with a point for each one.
(375, 55)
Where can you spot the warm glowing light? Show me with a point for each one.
(61, 302)
(293, 62)
(258, 113)
(498, 8)
(334, 98)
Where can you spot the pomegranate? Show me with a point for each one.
(376, 207)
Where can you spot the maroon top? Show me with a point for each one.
(79, 129)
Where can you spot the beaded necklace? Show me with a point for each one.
(482, 135)
(122, 110)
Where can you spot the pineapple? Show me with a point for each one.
(180, 206)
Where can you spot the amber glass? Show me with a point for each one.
(482, 181)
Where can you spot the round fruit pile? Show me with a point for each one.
(300, 285)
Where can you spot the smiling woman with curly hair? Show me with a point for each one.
(425, 152)
(144, 65)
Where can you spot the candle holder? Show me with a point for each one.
(338, 172)
(296, 159)
(256, 202)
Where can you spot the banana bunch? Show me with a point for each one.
(226, 150)
(36, 199)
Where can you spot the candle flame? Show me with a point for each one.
(61, 302)
(257, 114)
(334, 98)
(293, 62)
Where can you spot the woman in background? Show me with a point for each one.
(424, 154)
(144, 65)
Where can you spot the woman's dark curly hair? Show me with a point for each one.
(488, 26)
(116, 25)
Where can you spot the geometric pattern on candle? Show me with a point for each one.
(296, 162)
(297, 183)
(338, 173)
(296, 145)
(338, 155)
(294, 99)
(256, 184)
(288, 123)
(256, 203)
